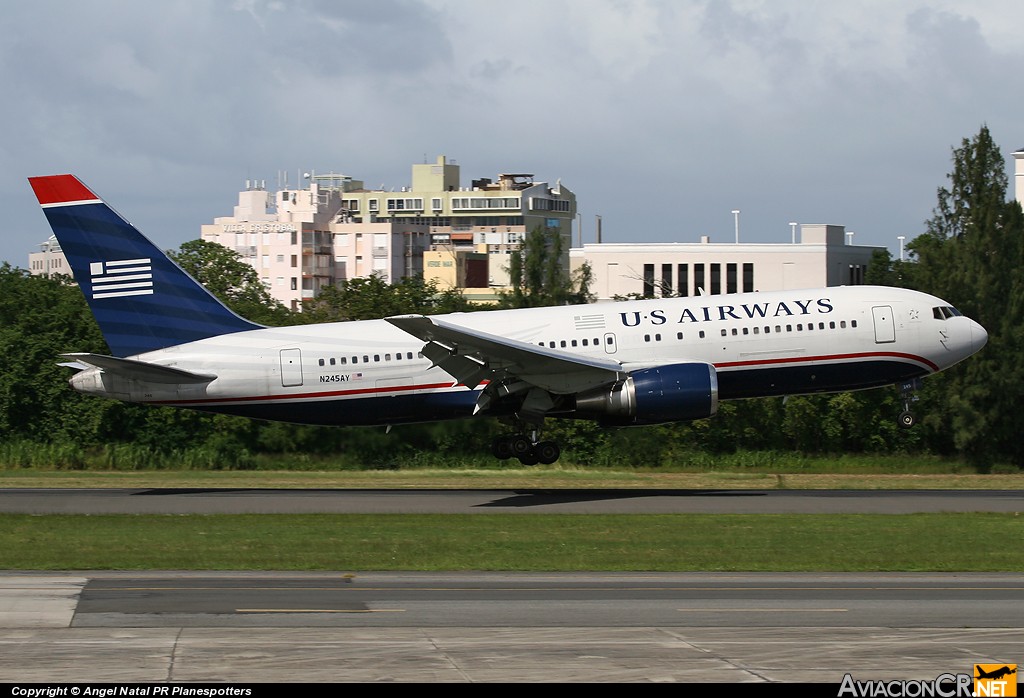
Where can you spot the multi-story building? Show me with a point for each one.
(300, 240)
(1018, 174)
(285, 235)
(48, 260)
(822, 257)
(489, 217)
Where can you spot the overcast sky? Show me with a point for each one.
(662, 116)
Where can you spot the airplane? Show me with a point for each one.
(995, 673)
(621, 364)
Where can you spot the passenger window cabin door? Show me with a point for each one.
(885, 325)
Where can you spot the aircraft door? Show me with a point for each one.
(291, 367)
(610, 346)
(885, 325)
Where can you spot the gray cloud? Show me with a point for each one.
(661, 116)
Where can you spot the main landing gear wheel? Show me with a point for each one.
(525, 450)
(907, 419)
(529, 458)
(501, 447)
(521, 446)
(547, 452)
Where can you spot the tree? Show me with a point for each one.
(884, 271)
(970, 256)
(537, 277)
(224, 274)
(371, 297)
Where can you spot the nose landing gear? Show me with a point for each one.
(908, 393)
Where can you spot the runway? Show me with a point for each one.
(502, 627)
(579, 501)
(475, 627)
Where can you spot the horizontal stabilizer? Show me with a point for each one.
(137, 370)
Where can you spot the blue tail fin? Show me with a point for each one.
(141, 299)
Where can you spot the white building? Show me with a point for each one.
(822, 257)
(1018, 174)
(48, 260)
(284, 235)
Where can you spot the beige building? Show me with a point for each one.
(48, 260)
(820, 258)
(1018, 174)
(487, 217)
(302, 239)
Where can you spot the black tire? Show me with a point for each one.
(501, 447)
(521, 446)
(547, 452)
(907, 419)
(528, 458)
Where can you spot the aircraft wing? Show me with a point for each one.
(139, 370)
(472, 357)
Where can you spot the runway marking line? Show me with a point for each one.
(763, 610)
(318, 610)
(352, 587)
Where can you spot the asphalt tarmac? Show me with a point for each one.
(235, 628)
(393, 627)
(582, 501)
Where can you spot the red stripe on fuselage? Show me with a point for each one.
(304, 396)
(441, 386)
(60, 189)
(833, 357)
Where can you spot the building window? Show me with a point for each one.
(682, 280)
(716, 279)
(698, 278)
(748, 278)
(648, 281)
(731, 285)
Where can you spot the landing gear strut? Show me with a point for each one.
(908, 393)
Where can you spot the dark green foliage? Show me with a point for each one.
(41, 317)
(537, 277)
(971, 256)
(233, 281)
(371, 297)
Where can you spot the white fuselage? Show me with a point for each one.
(761, 344)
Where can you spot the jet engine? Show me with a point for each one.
(670, 393)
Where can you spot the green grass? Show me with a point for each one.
(511, 477)
(353, 543)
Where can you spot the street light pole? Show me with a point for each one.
(792, 231)
(736, 215)
(901, 238)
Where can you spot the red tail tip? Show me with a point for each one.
(60, 189)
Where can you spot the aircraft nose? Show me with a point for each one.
(979, 337)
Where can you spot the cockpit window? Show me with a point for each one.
(945, 312)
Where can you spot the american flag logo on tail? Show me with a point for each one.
(125, 277)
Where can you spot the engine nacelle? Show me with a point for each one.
(670, 393)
